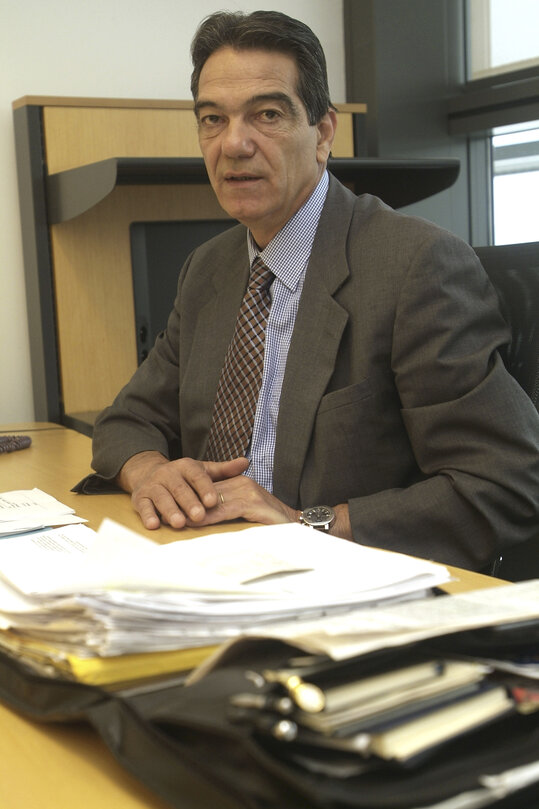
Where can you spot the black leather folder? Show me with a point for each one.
(185, 743)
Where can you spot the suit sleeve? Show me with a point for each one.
(145, 414)
(473, 431)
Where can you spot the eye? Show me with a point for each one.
(210, 121)
(268, 116)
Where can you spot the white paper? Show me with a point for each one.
(362, 631)
(118, 592)
(280, 562)
(31, 509)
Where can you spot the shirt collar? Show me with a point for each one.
(288, 252)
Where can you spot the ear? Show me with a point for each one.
(326, 133)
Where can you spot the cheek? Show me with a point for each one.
(286, 165)
(210, 151)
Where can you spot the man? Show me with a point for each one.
(382, 396)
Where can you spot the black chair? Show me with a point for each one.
(514, 272)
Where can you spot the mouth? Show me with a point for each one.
(241, 178)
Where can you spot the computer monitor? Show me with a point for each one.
(158, 251)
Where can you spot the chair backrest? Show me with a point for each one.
(514, 272)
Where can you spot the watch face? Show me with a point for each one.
(319, 515)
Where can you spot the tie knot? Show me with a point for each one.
(261, 276)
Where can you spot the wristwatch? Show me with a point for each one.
(319, 517)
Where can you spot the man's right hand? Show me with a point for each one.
(174, 492)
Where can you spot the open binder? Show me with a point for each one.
(190, 746)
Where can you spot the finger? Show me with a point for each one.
(147, 513)
(184, 503)
(194, 490)
(230, 504)
(244, 498)
(157, 502)
(221, 470)
(225, 511)
(175, 491)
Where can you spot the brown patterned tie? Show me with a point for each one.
(241, 377)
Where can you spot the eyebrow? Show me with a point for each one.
(282, 98)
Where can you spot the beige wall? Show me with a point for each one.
(102, 48)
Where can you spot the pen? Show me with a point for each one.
(263, 702)
(307, 696)
(285, 730)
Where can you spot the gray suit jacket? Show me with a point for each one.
(394, 399)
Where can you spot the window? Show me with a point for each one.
(503, 36)
(498, 109)
(515, 184)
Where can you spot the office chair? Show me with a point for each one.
(514, 272)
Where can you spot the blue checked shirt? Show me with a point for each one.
(287, 256)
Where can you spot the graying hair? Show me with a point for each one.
(272, 31)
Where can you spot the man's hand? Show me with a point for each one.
(242, 498)
(239, 497)
(197, 493)
(175, 492)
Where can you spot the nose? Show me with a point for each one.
(237, 139)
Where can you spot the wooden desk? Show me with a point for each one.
(64, 766)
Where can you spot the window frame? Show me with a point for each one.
(478, 43)
(507, 98)
(503, 98)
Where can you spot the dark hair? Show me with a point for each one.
(272, 31)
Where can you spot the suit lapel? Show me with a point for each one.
(318, 330)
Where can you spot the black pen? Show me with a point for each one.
(263, 702)
(282, 729)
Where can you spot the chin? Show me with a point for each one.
(245, 214)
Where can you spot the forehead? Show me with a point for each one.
(229, 70)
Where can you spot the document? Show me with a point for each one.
(30, 510)
(408, 739)
(369, 699)
(112, 592)
(70, 595)
(363, 630)
(286, 563)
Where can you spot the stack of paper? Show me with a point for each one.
(70, 594)
(341, 637)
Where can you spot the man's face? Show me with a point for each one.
(262, 156)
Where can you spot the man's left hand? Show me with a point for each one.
(242, 498)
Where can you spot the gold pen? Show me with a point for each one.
(307, 696)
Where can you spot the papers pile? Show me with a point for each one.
(73, 593)
(344, 636)
(23, 510)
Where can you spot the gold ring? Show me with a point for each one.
(221, 498)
